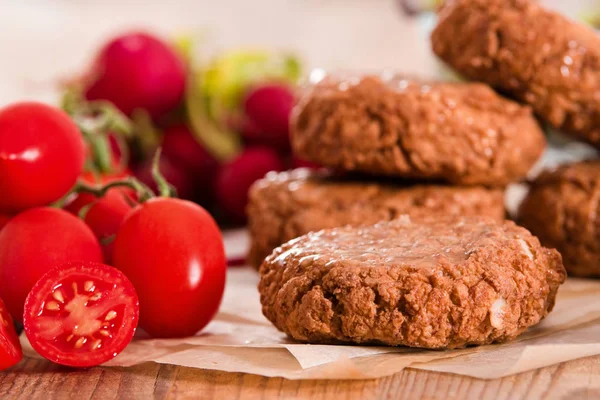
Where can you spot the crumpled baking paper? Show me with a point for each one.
(240, 339)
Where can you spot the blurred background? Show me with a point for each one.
(46, 40)
(225, 70)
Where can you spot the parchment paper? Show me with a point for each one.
(240, 339)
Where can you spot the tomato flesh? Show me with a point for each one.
(10, 348)
(81, 314)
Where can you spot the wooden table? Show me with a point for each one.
(37, 379)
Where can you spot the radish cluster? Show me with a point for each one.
(150, 81)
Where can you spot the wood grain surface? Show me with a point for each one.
(37, 379)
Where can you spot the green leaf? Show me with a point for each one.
(215, 93)
(227, 77)
(220, 142)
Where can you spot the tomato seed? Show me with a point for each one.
(80, 342)
(111, 315)
(95, 297)
(58, 296)
(96, 344)
(74, 286)
(105, 333)
(88, 286)
(69, 338)
(52, 306)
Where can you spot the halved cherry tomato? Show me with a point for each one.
(36, 241)
(81, 314)
(10, 348)
(172, 250)
(41, 155)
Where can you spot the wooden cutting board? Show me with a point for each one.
(37, 379)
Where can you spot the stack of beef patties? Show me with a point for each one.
(397, 147)
(542, 59)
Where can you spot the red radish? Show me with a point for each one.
(181, 180)
(236, 177)
(267, 109)
(185, 152)
(300, 163)
(138, 71)
(250, 131)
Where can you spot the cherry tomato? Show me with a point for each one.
(36, 241)
(105, 216)
(4, 218)
(10, 348)
(172, 251)
(41, 155)
(81, 314)
(80, 200)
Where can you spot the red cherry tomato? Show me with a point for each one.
(41, 155)
(172, 251)
(105, 216)
(81, 314)
(36, 241)
(4, 218)
(10, 348)
(80, 200)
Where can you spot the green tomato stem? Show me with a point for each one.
(143, 192)
(96, 120)
(108, 240)
(165, 189)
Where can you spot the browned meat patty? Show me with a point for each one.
(286, 205)
(562, 210)
(458, 133)
(535, 55)
(438, 283)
